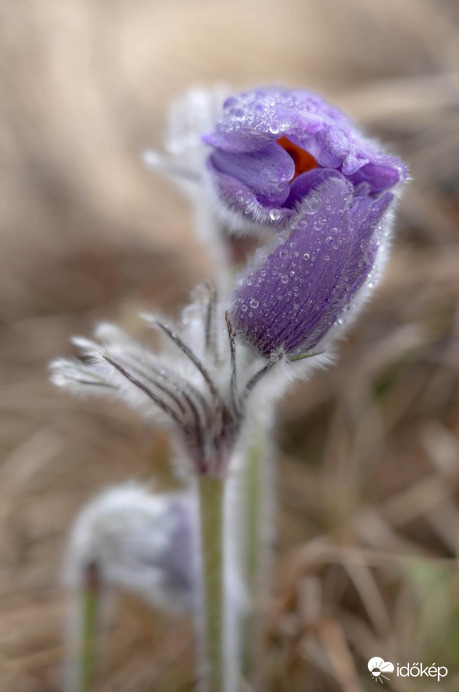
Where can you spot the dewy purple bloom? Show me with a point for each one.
(288, 160)
(271, 147)
(294, 297)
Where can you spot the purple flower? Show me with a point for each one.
(289, 159)
(309, 284)
(271, 148)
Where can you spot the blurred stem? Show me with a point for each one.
(89, 617)
(211, 496)
(256, 497)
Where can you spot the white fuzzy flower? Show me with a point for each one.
(140, 541)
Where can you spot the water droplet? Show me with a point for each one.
(244, 308)
(306, 256)
(284, 279)
(275, 214)
(254, 303)
(311, 204)
(283, 253)
(237, 113)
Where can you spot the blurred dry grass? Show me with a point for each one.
(369, 490)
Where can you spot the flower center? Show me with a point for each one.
(302, 159)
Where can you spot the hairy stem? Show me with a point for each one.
(256, 498)
(81, 665)
(211, 496)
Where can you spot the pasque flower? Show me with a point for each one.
(320, 196)
(140, 541)
(288, 160)
(271, 148)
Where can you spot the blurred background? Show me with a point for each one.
(367, 552)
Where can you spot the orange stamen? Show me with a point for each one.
(302, 159)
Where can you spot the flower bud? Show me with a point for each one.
(272, 148)
(311, 282)
(139, 541)
(290, 161)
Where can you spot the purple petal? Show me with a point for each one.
(235, 143)
(304, 183)
(297, 293)
(251, 123)
(266, 172)
(239, 199)
(379, 177)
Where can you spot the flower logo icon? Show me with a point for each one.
(378, 668)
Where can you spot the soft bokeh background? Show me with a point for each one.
(368, 532)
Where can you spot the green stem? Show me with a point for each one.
(252, 491)
(89, 617)
(211, 494)
(256, 499)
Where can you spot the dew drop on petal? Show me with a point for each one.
(311, 204)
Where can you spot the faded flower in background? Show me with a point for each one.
(140, 541)
(134, 540)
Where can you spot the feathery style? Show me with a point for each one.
(195, 384)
